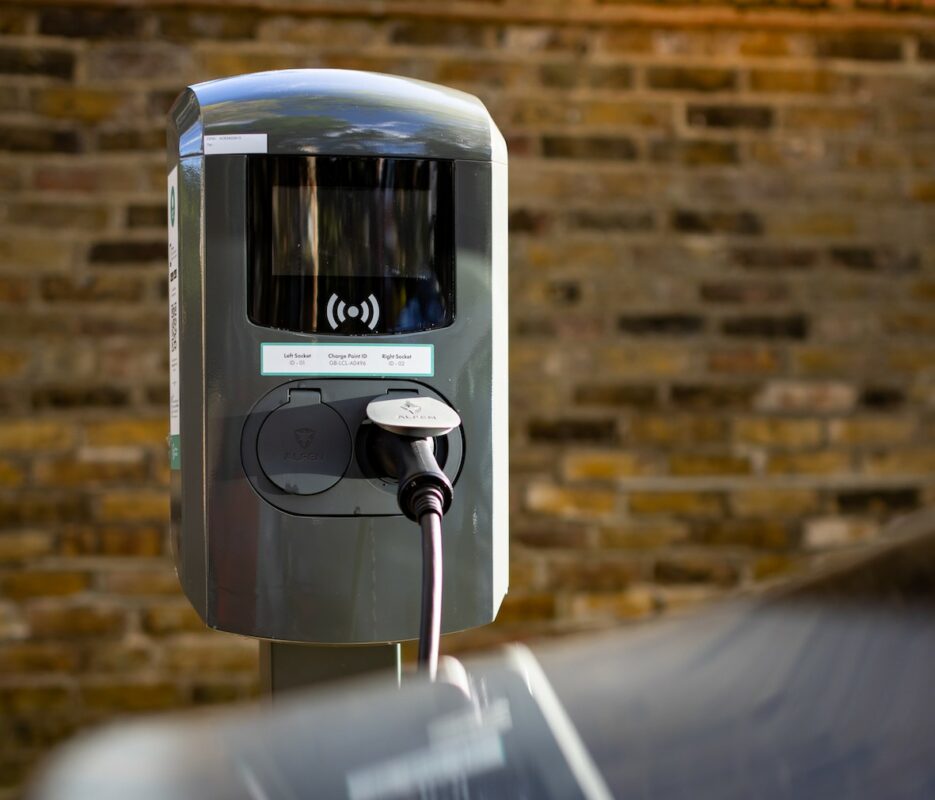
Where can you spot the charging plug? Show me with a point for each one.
(402, 447)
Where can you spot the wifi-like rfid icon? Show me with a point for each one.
(339, 311)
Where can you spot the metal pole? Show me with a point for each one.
(285, 666)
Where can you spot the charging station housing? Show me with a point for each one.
(335, 237)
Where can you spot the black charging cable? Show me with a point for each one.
(429, 513)
(401, 445)
(424, 495)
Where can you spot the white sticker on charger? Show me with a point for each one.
(235, 143)
(174, 408)
(352, 360)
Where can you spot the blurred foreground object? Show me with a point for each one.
(824, 690)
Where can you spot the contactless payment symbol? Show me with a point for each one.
(338, 311)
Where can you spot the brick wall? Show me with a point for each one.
(722, 277)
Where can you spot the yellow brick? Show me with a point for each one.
(525, 572)
(827, 117)
(680, 598)
(37, 657)
(911, 359)
(605, 466)
(36, 700)
(126, 656)
(695, 568)
(871, 430)
(30, 435)
(195, 654)
(526, 359)
(826, 223)
(12, 363)
(807, 81)
(172, 618)
(87, 105)
(924, 290)
(640, 115)
(764, 43)
(226, 62)
(777, 432)
(24, 545)
(628, 40)
(541, 182)
(531, 460)
(822, 462)
(69, 472)
(549, 534)
(704, 503)
(670, 429)
(828, 360)
(640, 362)
(50, 583)
(805, 396)
(634, 603)
(135, 506)
(461, 74)
(923, 191)
(526, 606)
(76, 621)
(140, 581)
(603, 573)
(744, 361)
(318, 31)
(774, 565)
(701, 464)
(583, 253)
(46, 254)
(11, 474)
(131, 541)
(132, 696)
(878, 155)
(649, 535)
(756, 533)
(128, 432)
(901, 462)
(535, 112)
(788, 502)
(917, 324)
(547, 499)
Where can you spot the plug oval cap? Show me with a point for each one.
(413, 416)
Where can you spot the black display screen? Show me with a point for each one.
(350, 246)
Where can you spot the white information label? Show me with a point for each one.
(359, 360)
(227, 143)
(173, 220)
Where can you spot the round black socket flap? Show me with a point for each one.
(304, 446)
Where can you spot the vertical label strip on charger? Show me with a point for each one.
(175, 455)
(354, 360)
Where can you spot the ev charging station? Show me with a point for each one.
(338, 361)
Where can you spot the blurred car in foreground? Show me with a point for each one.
(825, 689)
